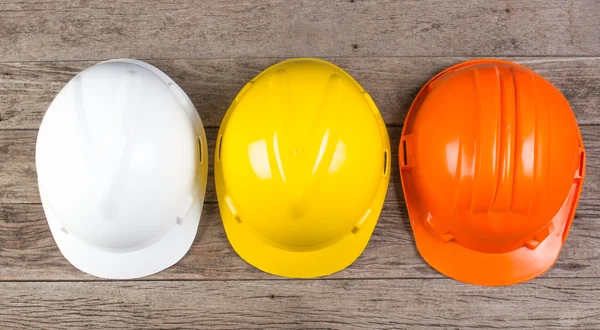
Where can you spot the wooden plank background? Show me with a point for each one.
(212, 49)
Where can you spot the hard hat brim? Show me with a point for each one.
(149, 260)
(300, 264)
(493, 269)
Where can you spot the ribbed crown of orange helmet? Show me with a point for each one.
(492, 150)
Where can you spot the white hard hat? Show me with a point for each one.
(122, 165)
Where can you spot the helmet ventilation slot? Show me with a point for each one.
(220, 141)
(385, 162)
(404, 156)
(200, 151)
(581, 163)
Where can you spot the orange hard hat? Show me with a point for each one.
(492, 165)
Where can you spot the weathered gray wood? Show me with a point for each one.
(26, 89)
(27, 251)
(357, 304)
(18, 183)
(76, 30)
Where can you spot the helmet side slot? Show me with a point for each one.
(385, 163)
(200, 151)
(219, 143)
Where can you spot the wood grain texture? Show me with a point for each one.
(357, 304)
(74, 30)
(26, 89)
(28, 252)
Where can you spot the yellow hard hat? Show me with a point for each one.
(302, 169)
